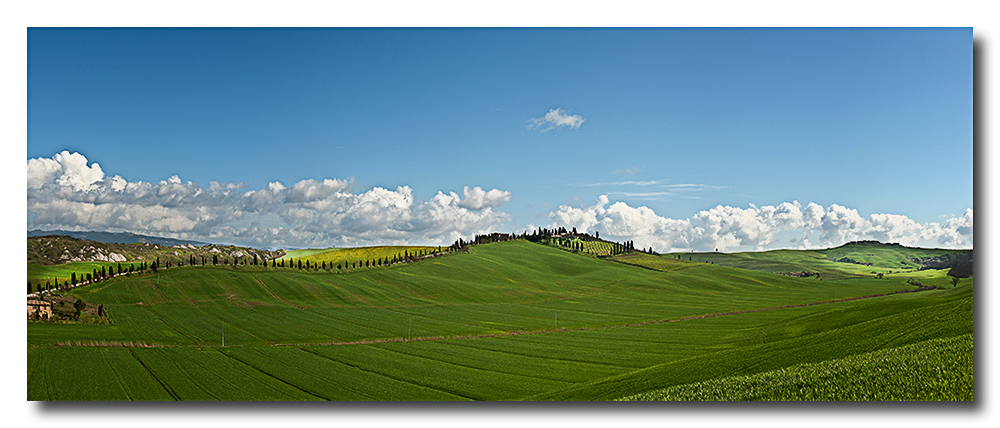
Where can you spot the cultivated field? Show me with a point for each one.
(332, 257)
(504, 321)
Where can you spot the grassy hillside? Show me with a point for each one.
(62, 272)
(936, 369)
(348, 256)
(888, 259)
(860, 327)
(505, 321)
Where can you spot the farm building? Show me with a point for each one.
(39, 310)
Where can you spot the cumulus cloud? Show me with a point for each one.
(555, 118)
(65, 192)
(476, 198)
(66, 169)
(756, 228)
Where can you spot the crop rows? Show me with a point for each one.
(500, 368)
(937, 369)
(607, 344)
(191, 305)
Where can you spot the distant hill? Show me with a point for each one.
(57, 249)
(851, 259)
(116, 238)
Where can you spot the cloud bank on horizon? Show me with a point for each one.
(726, 228)
(66, 192)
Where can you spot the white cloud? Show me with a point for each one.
(67, 169)
(753, 228)
(477, 199)
(555, 118)
(64, 192)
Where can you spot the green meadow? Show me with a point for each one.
(346, 256)
(503, 321)
(63, 272)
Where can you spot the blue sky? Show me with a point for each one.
(695, 138)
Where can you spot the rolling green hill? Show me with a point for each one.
(504, 321)
(849, 260)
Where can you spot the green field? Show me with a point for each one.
(926, 370)
(346, 256)
(62, 273)
(504, 321)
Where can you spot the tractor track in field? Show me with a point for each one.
(275, 295)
